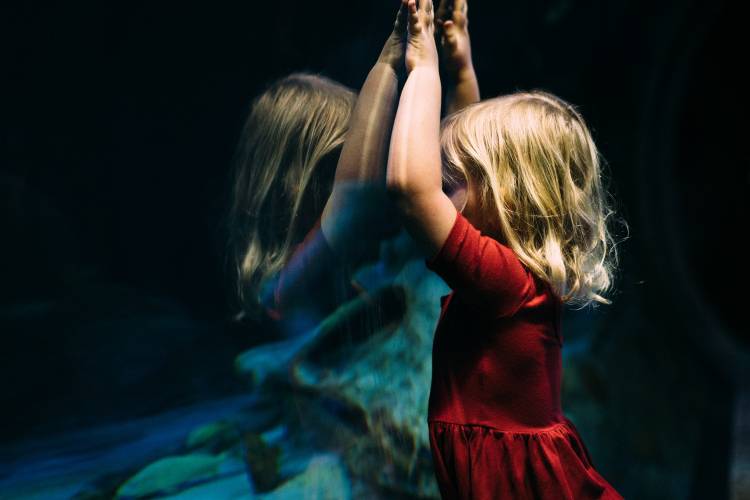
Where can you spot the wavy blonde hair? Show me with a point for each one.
(531, 163)
(282, 175)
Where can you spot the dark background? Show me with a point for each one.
(118, 126)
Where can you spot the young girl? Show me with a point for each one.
(530, 235)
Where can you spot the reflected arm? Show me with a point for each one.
(354, 213)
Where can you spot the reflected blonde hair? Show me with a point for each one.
(282, 175)
(532, 164)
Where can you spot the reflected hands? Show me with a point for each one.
(394, 48)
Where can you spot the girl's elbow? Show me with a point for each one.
(404, 195)
(398, 194)
(395, 188)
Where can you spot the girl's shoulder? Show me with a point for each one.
(483, 270)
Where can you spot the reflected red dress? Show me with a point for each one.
(495, 422)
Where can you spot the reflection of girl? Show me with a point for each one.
(283, 171)
(530, 171)
(308, 189)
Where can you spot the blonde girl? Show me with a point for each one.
(525, 232)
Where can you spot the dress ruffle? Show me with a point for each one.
(490, 464)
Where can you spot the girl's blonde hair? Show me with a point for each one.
(283, 172)
(530, 160)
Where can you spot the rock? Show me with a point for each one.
(359, 383)
(235, 487)
(172, 474)
(263, 462)
(269, 360)
(324, 479)
(215, 437)
(385, 381)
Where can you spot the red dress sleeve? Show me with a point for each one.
(482, 270)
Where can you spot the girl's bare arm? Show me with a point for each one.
(462, 87)
(414, 167)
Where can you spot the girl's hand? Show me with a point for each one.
(393, 50)
(458, 68)
(420, 49)
(453, 26)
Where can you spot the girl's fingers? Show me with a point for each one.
(412, 6)
(448, 34)
(416, 7)
(460, 6)
(426, 5)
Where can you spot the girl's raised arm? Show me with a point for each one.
(414, 174)
(462, 87)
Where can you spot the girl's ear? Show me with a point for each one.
(459, 196)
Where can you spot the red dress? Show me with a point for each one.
(495, 422)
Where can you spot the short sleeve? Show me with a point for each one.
(485, 272)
